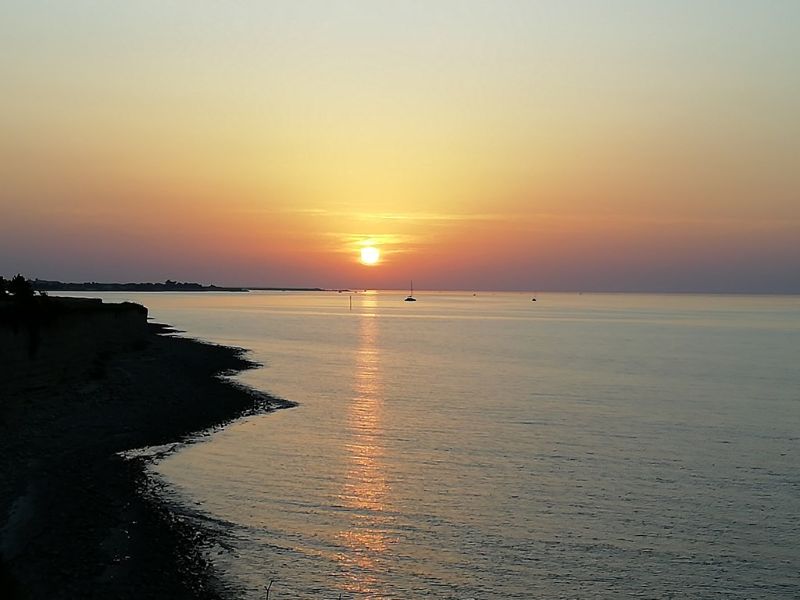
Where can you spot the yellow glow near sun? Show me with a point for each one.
(370, 255)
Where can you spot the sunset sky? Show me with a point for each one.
(511, 145)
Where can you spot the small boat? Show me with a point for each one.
(410, 297)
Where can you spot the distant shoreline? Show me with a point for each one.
(82, 383)
(42, 285)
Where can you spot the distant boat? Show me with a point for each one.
(410, 297)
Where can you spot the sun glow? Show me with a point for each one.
(370, 255)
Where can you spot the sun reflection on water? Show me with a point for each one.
(365, 490)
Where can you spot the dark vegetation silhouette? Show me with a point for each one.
(22, 309)
(20, 288)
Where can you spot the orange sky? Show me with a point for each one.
(504, 145)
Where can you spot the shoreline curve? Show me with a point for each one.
(76, 516)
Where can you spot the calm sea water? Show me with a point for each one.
(582, 446)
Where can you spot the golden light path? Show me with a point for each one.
(365, 488)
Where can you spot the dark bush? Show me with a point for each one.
(20, 287)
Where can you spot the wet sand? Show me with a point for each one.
(76, 519)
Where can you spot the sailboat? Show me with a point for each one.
(410, 297)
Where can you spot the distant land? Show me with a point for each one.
(43, 285)
(287, 289)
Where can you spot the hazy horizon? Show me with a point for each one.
(419, 288)
(618, 146)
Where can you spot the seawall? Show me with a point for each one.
(47, 337)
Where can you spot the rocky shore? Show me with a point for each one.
(81, 383)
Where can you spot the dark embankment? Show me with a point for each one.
(79, 383)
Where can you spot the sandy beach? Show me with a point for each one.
(76, 518)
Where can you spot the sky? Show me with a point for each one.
(508, 145)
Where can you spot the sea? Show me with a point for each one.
(489, 445)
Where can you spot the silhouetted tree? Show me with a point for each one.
(20, 287)
(3, 286)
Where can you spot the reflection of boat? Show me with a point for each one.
(410, 297)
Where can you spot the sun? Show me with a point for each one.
(370, 255)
